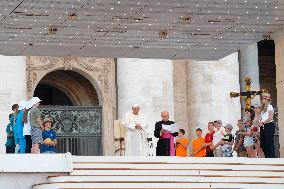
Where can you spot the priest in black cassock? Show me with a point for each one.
(165, 145)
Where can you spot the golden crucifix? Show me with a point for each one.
(248, 95)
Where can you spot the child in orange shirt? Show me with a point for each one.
(181, 144)
(198, 149)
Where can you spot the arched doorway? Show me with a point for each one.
(72, 102)
(65, 87)
(267, 68)
(99, 72)
(52, 95)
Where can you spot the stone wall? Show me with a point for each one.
(204, 96)
(148, 82)
(12, 89)
(194, 92)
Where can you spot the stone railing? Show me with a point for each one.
(78, 129)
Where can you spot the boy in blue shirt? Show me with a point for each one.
(49, 137)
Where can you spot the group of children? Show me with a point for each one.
(27, 131)
(218, 141)
(254, 137)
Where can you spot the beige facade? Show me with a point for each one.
(201, 90)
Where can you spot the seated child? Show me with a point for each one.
(49, 137)
(181, 144)
(198, 148)
(227, 142)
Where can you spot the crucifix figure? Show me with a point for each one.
(248, 95)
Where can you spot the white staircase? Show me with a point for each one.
(169, 172)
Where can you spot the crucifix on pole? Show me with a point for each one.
(249, 94)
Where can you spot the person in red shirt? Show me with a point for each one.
(209, 139)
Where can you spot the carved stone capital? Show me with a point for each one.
(39, 66)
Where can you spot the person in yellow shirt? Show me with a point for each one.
(198, 149)
(181, 144)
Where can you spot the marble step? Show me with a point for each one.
(169, 173)
(220, 173)
(122, 185)
(100, 166)
(176, 160)
(165, 179)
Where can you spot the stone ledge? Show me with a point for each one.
(36, 163)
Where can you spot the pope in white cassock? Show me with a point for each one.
(136, 140)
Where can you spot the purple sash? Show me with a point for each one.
(172, 142)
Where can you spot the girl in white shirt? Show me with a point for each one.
(268, 125)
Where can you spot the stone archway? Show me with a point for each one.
(53, 96)
(100, 73)
(65, 87)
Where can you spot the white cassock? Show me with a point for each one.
(136, 139)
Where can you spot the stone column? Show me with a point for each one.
(279, 61)
(180, 93)
(248, 58)
(148, 82)
(209, 84)
(12, 89)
